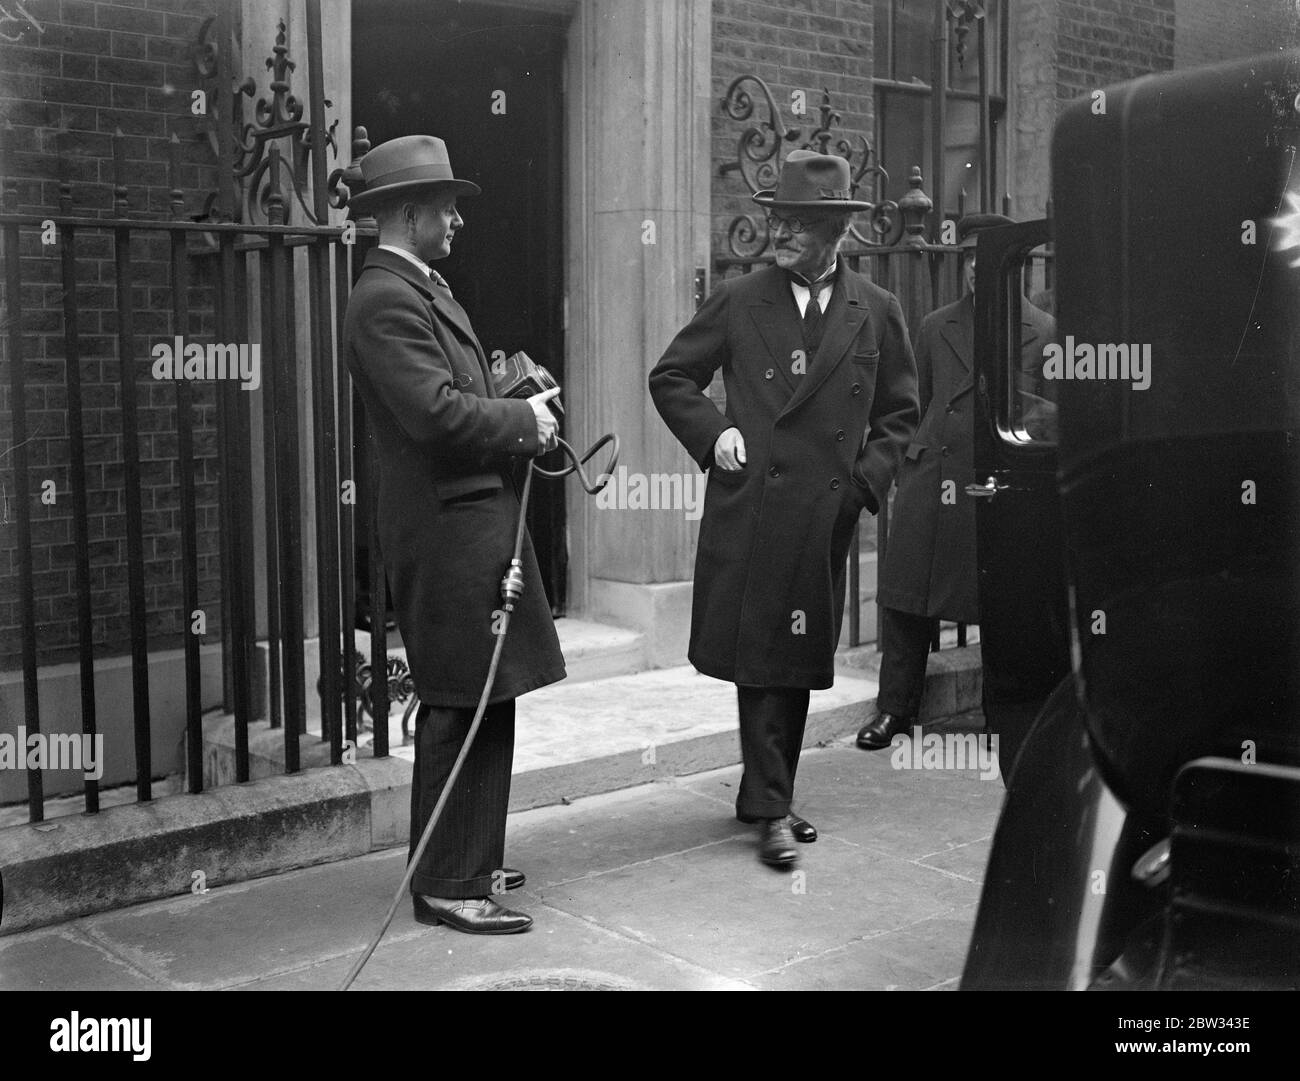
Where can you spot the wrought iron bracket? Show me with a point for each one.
(277, 121)
(759, 153)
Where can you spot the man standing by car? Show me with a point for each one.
(447, 514)
(821, 400)
(929, 571)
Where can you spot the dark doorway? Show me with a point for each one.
(487, 80)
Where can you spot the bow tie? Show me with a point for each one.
(818, 283)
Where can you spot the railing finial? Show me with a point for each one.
(914, 206)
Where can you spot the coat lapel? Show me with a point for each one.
(776, 319)
(443, 303)
(959, 332)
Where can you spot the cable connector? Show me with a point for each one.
(512, 585)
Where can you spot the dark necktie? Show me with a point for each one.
(813, 317)
(812, 324)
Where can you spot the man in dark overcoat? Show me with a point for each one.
(820, 401)
(929, 570)
(447, 511)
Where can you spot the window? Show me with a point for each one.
(905, 103)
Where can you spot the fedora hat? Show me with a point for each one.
(971, 225)
(812, 180)
(405, 164)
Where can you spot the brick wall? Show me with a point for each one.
(1107, 41)
(1061, 49)
(814, 45)
(96, 68)
(1256, 26)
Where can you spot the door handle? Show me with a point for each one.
(987, 490)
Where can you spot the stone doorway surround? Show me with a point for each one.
(637, 104)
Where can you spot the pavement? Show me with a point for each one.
(652, 887)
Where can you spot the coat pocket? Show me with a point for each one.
(449, 488)
(866, 356)
(730, 478)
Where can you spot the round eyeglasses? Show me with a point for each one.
(774, 221)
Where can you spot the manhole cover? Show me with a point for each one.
(560, 979)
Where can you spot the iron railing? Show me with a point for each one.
(239, 256)
(242, 264)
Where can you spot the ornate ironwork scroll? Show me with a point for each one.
(16, 22)
(759, 152)
(277, 118)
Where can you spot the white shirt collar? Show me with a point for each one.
(424, 267)
(802, 293)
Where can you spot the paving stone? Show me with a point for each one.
(559, 948)
(240, 932)
(555, 844)
(690, 903)
(64, 959)
(868, 965)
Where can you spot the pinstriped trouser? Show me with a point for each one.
(468, 844)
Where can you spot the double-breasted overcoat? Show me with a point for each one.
(930, 559)
(823, 438)
(447, 506)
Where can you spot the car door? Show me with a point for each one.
(1022, 583)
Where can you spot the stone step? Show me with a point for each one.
(591, 650)
(593, 736)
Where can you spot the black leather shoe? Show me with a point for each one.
(804, 831)
(473, 915)
(880, 733)
(776, 843)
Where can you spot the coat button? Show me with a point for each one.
(944, 452)
(769, 373)
(952, 409)
(774, 472)
(840, 434)
(835, 482)
(857, 388)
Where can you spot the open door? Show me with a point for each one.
(1022, 584)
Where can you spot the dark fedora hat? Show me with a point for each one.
(812, 180)
(405, 164)
(972, 224)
